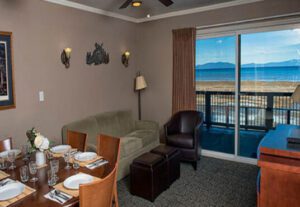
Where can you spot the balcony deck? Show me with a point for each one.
(259, 112)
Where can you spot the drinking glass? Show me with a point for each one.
(3, 164)
(51, 178)
(11, 157)
(54, 165)
(33, 171)
(67, 158)
(25, 152)
(24, 174)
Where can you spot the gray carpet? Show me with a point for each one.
(216, 183)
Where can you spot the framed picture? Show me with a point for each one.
(7, 97)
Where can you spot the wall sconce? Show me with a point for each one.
(66, 56)
(125, 58)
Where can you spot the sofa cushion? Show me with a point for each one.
(181, 140)
(118, 123)
(147, 136)
(88, 125)
(129, 145)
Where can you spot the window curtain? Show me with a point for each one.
(184, 97)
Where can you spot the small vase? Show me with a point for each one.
(40, 158)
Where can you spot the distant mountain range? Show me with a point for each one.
(223, 65)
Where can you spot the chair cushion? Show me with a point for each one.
(130, 145)
(181, 140)
(147, 136)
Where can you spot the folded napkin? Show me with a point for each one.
(96, 164)
(58, 196)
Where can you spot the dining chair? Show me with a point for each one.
(77, 140)
(98, 193)
(5, 144)
(109, 148)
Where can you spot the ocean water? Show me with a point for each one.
(291, 74)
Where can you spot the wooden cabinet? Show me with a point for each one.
(280, 170)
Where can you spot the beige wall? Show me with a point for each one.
(155, 48)
(40, 32)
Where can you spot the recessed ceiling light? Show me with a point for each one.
(136, 3)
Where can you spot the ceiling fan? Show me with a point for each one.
(136, 3)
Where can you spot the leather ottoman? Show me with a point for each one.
(148, 176)
(172, 156)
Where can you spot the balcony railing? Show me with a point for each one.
(258, 110)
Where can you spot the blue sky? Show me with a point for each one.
(260, 48)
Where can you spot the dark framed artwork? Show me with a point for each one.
(7, 96)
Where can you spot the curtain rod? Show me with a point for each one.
(255, 20)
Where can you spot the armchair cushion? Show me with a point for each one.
(181, 140)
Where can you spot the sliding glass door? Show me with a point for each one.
(244, 84)
(215, 85)
(270, 73)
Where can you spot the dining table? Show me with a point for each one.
(41, 186)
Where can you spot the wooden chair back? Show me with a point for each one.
(98, 193)
(109, 148)
(5, 144)
(77, 140)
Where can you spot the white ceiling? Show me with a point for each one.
(153, 7)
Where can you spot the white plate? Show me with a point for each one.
(60, 149)
(16, 151)
(11, 190)
(74, 181)
(85, 156)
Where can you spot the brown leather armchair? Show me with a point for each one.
(183, 132)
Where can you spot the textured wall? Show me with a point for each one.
(155, 46)
(40, 32)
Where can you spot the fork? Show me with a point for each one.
(53, 196)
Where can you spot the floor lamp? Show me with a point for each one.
(140, 84)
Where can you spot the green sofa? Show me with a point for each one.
(137, 137)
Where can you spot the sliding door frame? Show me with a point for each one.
(237, 30)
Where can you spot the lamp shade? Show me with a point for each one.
(296, 95)
(140, 83)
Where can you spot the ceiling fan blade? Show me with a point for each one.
(166, 2)
(126, 4)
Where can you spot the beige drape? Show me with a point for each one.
(184, 97)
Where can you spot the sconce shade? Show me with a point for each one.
(140, 83)
(296, 95)
(68, 52)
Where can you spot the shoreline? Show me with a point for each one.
(248, 86)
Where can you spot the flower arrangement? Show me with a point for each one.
(37, 140)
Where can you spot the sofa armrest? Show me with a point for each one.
(152, 125)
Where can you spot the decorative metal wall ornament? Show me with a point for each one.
(99, 56)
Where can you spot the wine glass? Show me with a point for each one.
(54, 165)
(33, 171)
(3, 164)
(67, 157)
(49, 155)
(11, 157)
(25, 151)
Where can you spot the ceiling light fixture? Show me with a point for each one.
(136, 3)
